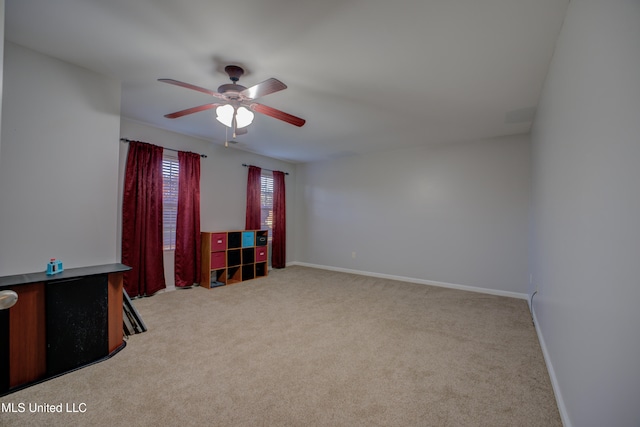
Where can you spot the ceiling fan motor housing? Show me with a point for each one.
(234, 72)
(231, 90)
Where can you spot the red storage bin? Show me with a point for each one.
(261, 254)
(217, 260)
(218, 241)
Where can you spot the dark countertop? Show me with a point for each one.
(71, 273)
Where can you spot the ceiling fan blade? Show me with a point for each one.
(234, 126)
(234, 122)
(191, 111)
(264, 88)
(192, 87)
(277, 114)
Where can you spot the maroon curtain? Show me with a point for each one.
(187, 254)
(279, 255)
(252, 219)
(142, 220)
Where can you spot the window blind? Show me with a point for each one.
(170, 170)
(266, 203)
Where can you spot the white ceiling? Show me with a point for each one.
(365, 74)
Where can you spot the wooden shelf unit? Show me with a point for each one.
(230, 257)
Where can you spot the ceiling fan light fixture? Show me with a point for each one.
(225, 113)
(244, 117)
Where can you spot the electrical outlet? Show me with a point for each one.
(353, 254)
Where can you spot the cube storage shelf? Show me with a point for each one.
(230, 257)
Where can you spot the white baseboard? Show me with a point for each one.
(564, 416)
(414, 280)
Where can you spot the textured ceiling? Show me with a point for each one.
(366, 74)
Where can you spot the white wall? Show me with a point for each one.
(223, 182)
(586, 210)
(58, 181)
(454, 213)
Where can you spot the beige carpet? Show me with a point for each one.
(310, 347)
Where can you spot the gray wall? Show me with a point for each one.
(586, 199)
(58, 186)
(223, 182)
(453, 213)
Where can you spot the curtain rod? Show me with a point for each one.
(270, 170)
(165, 148)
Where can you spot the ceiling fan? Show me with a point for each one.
(238, 101)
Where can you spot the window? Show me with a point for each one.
(266, 203)
(170, 169)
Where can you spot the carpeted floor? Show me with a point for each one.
(311, 347)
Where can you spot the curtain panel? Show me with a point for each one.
(252, 218)
(188, 252)
(279, 255)
(142, 220)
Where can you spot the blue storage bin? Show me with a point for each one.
(248, 238)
